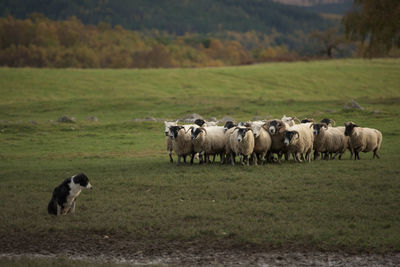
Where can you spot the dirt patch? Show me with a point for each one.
(98, 248)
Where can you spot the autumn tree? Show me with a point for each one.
(376, 24)
(330, 40)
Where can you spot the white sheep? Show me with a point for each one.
(181, 143)
(262, 142)
(241, 141)
(208, 141)
(329, 140)
(299, 141)
(168, 140)
(363, 139)
(290, 120)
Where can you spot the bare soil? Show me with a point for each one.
(103, 249)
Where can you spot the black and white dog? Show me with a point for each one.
(64, 195)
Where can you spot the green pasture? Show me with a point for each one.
(140, 197)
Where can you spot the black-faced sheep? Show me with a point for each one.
(299, 141)
(181, 143)
(363, 139)
(276, 129)
(168, 140)
(329, 140)
(242, 144)
(208, 141)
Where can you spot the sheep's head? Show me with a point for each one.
(196, 132)
(306, 120)
(274, 126)
(289, 120)
(256, 128)
(242, 133)
(174, 130)
(317, 128)
(168, 124)
(228, 125)
(349, 128)
(289, 136)
(328, 121)
(199, 122)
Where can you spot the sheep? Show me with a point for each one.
(329, 140)
(208, 141)
(276, 128)
(307, 120)
(363, 139)
(203, 123)
(290, 120)
(168, 140)
(302, 145)
(181, 143)
(241, 141)
(328, 122)
(229, 127)
(262, 142)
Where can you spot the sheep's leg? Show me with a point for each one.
(308, 157)
(279, 157)
(376, 154)
(254, 158)
(232, 159)
(297, 158)
(356, 155)
(262, 158)
(270, 157)
(184, 158)
(170, 156)
(241, 159)
(302, 156)
(221, 157)
(192, 158)
(58, 210)
(226, 159)
(287, 156)
(179, 160)
(214, 158)
(351, 153)
(247, 159)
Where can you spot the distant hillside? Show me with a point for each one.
(176, 16)
(321, 6)
(311, 2)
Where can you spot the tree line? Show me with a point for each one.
(41, 42)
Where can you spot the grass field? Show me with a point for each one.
(142, 202)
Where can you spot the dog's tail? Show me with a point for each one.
(52, 207)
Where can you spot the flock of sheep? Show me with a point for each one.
(256, 142)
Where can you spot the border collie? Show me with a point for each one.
(64, 195)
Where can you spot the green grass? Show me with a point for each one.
(140, 197)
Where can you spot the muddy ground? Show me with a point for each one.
(100, 248)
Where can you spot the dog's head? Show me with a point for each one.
(82, 180)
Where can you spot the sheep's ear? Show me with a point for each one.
(355, 125)
(312, 125)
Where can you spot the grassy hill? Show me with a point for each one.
(143, 203)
